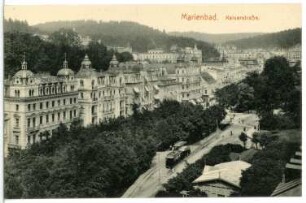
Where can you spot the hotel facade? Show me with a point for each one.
(36, 104)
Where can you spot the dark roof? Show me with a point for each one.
(207, 77)
(248, 155)
(291, 188)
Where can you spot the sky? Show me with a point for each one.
(271, 17)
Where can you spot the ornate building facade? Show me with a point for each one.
(160, 56)
(36, 104)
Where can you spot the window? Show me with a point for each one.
(40, 120)
(64, 101)
(70, 100)
(47, 118)
(34, 107)
(47, 104)
(70, 114)
(29, 122)
(64, 114)
(53, 117)
(17, 139)
(82, 83)
(34, 122)
(82, 96)
(41, 105)
(17, 122)
(17, 107)
(29, 107)
(74, 100)
(58, 116)
(58, 102)
(74, 113)
(53, 103)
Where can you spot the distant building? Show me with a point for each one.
(42, 36)
(295, 54)
(160, 56)
(85, 40)
(248, 62)
(119, 49)
(221, 180)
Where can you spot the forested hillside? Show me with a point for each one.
(48, 56)
(283, 39)
(215, 38)
(11, 25)
(140, 37)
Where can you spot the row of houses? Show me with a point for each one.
(37, 103)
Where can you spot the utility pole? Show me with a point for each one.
(159, 178)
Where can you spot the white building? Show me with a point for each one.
(37, 103)
(221, 180)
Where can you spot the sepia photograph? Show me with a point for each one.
(152, 100)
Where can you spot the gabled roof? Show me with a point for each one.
(229, 172)
(291, 188)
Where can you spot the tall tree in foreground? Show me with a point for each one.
(243, 138)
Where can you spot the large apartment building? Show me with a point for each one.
(36, 104)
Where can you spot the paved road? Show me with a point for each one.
(150, 182)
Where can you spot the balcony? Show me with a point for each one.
(13, 146)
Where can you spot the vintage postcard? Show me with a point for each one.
(152, 100)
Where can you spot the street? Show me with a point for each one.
(150, 182)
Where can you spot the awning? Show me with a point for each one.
(199, 100)
(136, 90)
(146, 88)
(156, 87)
(156, 97)
(193, 102)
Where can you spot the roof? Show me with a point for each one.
(248, 154)
(65, 72)
(294, 166)
(179, 143)
(229, 172)
(173, 154)
(291, 188)
(208, 78)
(24, 73)
(170, 68)
(87, 72)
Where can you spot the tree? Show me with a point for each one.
(245, 97)
(227, 96)
(243, 138)
(65, 37)
(124, 56)
(255, 139)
